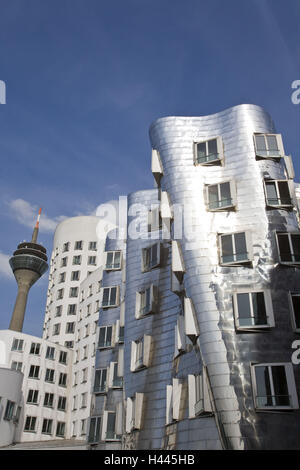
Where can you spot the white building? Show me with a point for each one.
(84, 352)
(36, 408)
(77, 252)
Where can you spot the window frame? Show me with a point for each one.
(146, 267)
(117, 301)
(290, 382)
(268, 308)
(278, 206)
(292, 310)
(106, 346)
(289, 235)
(249, 248)
(97, 429)
(220, 152)
(279, 145)
(233, 197)
(101, 390)
(113, 266)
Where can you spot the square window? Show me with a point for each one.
(17, 345)
(221, 196)
(93, 246)
(66, 246)
(30, 423)
(77, 260)
(209, 152)
(75, 275)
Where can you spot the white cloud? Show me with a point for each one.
(5, 269)
(26, 214)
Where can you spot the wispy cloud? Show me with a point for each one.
(26, 214)
(5, 269)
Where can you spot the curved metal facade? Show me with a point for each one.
(228, 353)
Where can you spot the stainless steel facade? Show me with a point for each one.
(225, 351)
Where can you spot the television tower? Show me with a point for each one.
(29, 263)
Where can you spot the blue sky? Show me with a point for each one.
(85, 79)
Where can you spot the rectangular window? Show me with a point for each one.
(268, 145)
(64, 262)
(110, 297)
(17, 345)
(94, 431)
(235, 248)
(278, 194)
(73, 292)
(30, 423)
(117, 382)
(274, 386)
(253, 309)
(150, 257)
(62, 403)
(50, 353)
(77, 260)
(60, 294)
(92, 260)
(93, 246)
(295, 307)
(140, 353)
(221, 196)
(47, 426)
(105, 337)
(289, 247)
(72, 309)
(113, 260)
(17, 366)
(34, 372)
(100, 381)
(70, 327)
(58, 311)
(62, 380)
(83, 400)
(48, 400)
(154, 219)
(60, 429)
(49, 375)
(32, 397)
(111, 427)
(56, 329)
(78, 245)
(209, 152)
(62, 277)
(146, 301)
(66, 246)
(9, 410)
(63, 357)
(75, 275)
(69, 344)
(35, 348)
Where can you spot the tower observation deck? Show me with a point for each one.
(29, 263)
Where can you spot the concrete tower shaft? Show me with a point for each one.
(29, 263)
